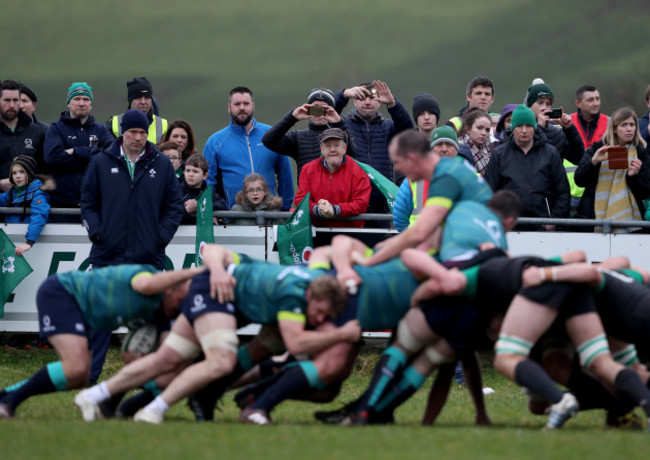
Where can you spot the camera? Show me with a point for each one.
(555, 113)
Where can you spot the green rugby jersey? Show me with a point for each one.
(384, 294)
(107, 298)
(454, 180)
(467, 225)
(268, 292)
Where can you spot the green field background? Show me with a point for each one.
(196, 50)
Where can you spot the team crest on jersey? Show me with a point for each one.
(152, 173)
(28, 143)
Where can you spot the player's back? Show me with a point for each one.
(384, 294)
(467, 226)
(264, 288)
(474, 187)
(106, 297)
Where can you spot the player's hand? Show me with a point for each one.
(128, 357)
(222, 286)
(22, 248)
(358, 258)
(348, 275)
(532, 276)
(351, 331)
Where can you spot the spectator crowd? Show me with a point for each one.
(561, 163)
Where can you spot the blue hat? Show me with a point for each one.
(134, 119)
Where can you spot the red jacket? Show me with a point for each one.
(347, 189)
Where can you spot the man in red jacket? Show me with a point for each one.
(338, 185)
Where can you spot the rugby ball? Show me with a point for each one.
(141, 341)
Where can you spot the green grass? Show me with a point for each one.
(50, 424)
(194, 52)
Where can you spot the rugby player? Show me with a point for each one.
(70, 304)
(292, 298)
(382, 299)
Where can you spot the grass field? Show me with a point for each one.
(49, 426)
(195, 51)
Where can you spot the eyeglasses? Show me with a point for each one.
(174, 158)
(255, 190)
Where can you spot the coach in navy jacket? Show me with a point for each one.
(131, 209)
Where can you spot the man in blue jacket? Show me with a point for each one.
(130, 205)
(70, 143)
(237, 151)
(372, 132)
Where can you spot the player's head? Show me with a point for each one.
(507, 205)
(325, 300)
(173, 296)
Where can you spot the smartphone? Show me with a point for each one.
(316, 111)
(617, 158)
(555, 113)
(371, 89)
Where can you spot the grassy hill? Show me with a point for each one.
(195, 51)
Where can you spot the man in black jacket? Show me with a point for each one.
(303, 145)
(531, 167)
(19, 135)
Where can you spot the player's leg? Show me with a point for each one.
(301, 380)
(179, 347)
(523, 325)
(217, 334)
(70, 372)
(267, 343)
(586, 331)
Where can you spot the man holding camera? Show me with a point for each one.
(372, 132)
(303, 145)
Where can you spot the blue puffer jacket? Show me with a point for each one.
(130, 221)
(371, 140)
(86, 140)
(234, 154)
(33, 197)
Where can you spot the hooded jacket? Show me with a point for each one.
(35, 197)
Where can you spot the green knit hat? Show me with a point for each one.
(80, 88)
(522, 115)
(444, 134)
(537, 92)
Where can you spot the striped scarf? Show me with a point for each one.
(613, 197)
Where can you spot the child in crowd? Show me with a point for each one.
(254, 196)
(27, 191)
(171, 151)
(193, 184)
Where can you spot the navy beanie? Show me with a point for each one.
(134, 119)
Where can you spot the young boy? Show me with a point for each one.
(27, 191)
(193, 184)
